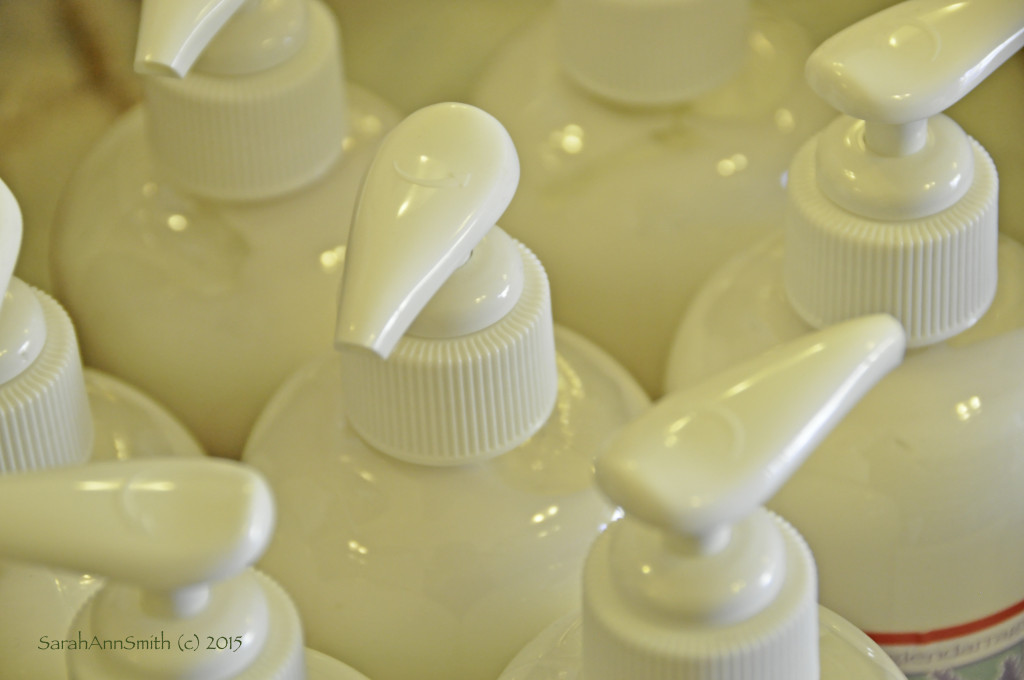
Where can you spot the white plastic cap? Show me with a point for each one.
(262, 113)
(893, 208)
(444, 322)
(44, 410)
(698, 581)
(652, 52)
(182, 533)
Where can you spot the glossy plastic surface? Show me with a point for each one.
(915, 59)
(697, 580)
(205, 305)
(162, 524)
(457, 566)
(912, 505)
(228, 36)
(40, 602)
(896, 71)
(176, 538)
(22, 327)
(844, 653)
(631, 208)
(439, 182)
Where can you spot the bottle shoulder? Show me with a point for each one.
(742, 310)
(844, 652)
(595, 395)
(128, 424)
(118, 182)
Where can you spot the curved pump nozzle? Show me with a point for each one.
(697, 575)
(173, 34)
(897, 70)
(165, 525)
(174, 538)
(22, 324)
(439, 183)
(701, 459)
(10, 237)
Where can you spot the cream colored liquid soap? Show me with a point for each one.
(697, 581)
(54, 414)
(654, 140)
(913, 505)
(175, 540)
(200, 244)
(434, 475)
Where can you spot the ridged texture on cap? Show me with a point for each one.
(253, 136)
(778, 643)
(936, 275)
(450, 401)
(45, 420)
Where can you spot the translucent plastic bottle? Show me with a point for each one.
(199, 245)
(55, 414)
(912, 505)
(654, 140)
(434, 476)
(697, 581)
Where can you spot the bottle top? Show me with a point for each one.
(698, 576)
(44, 410)
(173, 538)
(893, 206)
(655, 52)
(244, 98)
(444, 322)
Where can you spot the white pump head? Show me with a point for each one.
(893, 206)
(456, 315)
(263, 110)
(182, 533)
(44, 410)
(260, 35)
(697, 580)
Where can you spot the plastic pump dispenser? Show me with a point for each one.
(444, 273)
(654, 139)
(54, 414)
(296, 109)
(698, 581)
(421, 494)
(896, 210)
(893, 209)
(174, 539)
(198, 242)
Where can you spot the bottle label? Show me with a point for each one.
(991, 648)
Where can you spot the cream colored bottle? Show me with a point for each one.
(55, 414)
(175, 539)
(912, 505)
(654, 140)
(697, 581)
(434, 476)
(200, 244)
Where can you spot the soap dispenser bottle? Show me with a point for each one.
(654, 139)
(199, 244)
(434, 474)
(174, 539)
(54, 414)
(696, 580)
(912, 505)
